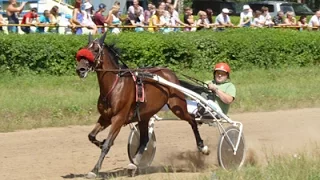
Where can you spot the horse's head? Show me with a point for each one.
(89, 57)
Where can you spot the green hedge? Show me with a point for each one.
(242, 48)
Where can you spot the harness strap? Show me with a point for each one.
(113, 86)
(137, 111)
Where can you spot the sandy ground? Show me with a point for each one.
(66, 153)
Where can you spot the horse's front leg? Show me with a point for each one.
(117, 123)
(100, 126)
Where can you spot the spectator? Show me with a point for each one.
(266, 17)
(162, 6)
(28, 20)
(44, 20)
(290, 20)
(173, 12)
(1, 22)
(149, 12)
(77, 17)
(315, 20)
(202, 22)
(155, 21)
(258, 20)
(169, 2)
(54, 19)
(302, 23)
(87, 20)
(66, 21)
(278, 19)
(209, 15)
(99, 19)
(135, 5)
(223, 18)
(12, 12)
(117, 3)
(166, 20)
(245, 17)
(91, 9)
(114, 20)
(175, 19)
(133, 11)
(137, 19)
(188, 18)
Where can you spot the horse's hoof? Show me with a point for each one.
(132, 169)
(205, 150)
(91, 175)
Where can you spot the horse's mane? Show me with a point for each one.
(115, 54)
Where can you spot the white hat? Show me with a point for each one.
(246, 7)
(87, 5)
(225, 10)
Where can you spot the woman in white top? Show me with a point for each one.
(258, 20)
(266, 16)
(175, 19)
(246, 17)
(315, 20)
(87, 20)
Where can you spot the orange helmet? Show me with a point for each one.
(222, 67)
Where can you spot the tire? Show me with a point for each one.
(133, 145)
(227, 160)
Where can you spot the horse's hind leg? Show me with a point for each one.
(100, 126)
(117, 123)
(144, 139)
(178, 106)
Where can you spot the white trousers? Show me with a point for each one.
(192, 106)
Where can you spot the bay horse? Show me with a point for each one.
(117, 99)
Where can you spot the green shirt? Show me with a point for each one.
(227, 88)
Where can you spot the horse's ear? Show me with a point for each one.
(103, 37)
(90, 38)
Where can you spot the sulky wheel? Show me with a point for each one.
(133, 145)
(226, 157)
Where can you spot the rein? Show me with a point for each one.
(130, 70)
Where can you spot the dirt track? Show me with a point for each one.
(57, 153)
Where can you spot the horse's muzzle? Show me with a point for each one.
(82, 72)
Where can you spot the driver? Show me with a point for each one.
(223, 92)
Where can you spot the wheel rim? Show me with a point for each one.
(226, 157)
(148, 155)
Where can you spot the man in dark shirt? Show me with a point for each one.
(279, 19)
(99, 19)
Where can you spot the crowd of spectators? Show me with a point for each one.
(163, 17)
